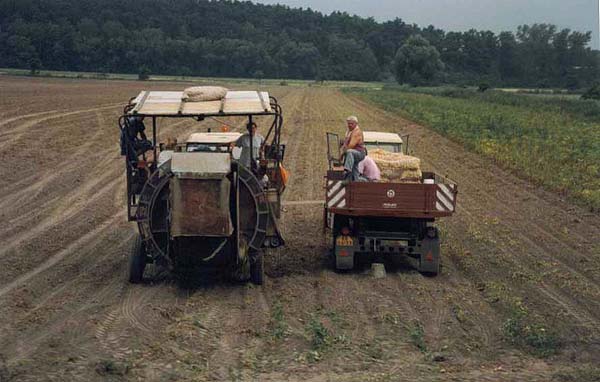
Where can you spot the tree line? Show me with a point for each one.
(242, 39)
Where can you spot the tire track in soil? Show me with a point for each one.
(53, 295)
(27, 198)
(56, 258)
(71, 325)
(228, 312)
(20, 117)
(73, 212)
(17, 132)
(76, 204)
(120, 325)
(35, 332)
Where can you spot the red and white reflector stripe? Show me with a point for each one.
(336, 194)
(445, 198)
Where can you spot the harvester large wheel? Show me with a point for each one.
(257, 268)
(137, 261)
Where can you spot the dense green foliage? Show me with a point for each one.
(242, 39)
(592, 93)
(552, 140)
(417, 62)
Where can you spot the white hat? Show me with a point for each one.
(352, 118)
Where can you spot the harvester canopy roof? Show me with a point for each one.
(170, 104)
(379, 137)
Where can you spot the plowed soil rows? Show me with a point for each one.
(68, 313)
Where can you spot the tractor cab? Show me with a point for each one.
(391, 142)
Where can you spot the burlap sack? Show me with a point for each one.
(386, 159)
(397, 167)
(204, 93)
(401, 174)
(410, 180)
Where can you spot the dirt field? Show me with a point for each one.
(518, 297)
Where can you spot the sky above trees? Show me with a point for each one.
(460, 15)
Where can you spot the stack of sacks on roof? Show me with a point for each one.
(204, 93)
(397, 167)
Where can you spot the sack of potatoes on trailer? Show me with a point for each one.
(397, 167)
(204, 93)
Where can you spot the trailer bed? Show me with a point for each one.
(406, 200)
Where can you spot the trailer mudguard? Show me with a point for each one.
(429, 261)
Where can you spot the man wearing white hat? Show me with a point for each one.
(353, 148)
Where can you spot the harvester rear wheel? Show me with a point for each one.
(137, 261)
(257, 268)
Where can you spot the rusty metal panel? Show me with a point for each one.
(200, 207)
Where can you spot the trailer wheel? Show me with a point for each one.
(137, 261)
(257, 268)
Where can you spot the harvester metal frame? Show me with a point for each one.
(140, 201)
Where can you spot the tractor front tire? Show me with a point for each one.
(137, 261)
(257, 268)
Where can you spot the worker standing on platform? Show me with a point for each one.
(246, 157)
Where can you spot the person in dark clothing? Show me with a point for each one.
(133, 138)
(134, 144)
